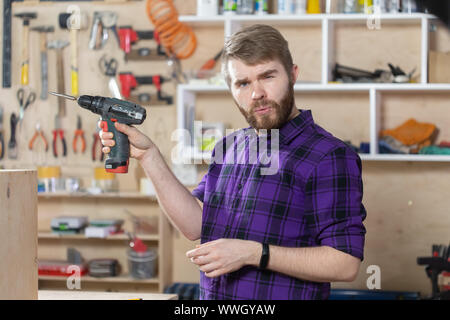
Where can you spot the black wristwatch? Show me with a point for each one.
(264, 256)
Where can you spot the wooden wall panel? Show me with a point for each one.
(397, 232)
(18, 235)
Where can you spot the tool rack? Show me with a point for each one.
(51, 246)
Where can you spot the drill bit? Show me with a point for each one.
(63, 95)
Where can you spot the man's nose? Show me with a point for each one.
(258, 91)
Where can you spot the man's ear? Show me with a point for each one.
(294, 73)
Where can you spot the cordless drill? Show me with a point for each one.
(113, 110)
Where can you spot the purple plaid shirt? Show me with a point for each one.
(313, 199)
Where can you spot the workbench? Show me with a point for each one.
(94, 295)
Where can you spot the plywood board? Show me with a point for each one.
(18, 234)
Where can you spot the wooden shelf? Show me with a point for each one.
(51, 235)
(187, 97)
(198, 88)
(304, 18)
(199, 157)
(109, 195)
(119, 279)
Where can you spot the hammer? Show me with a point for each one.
(59, 45)
(44, 62)
(26, 17)
(73, 22)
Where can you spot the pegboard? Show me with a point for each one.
(160, 120)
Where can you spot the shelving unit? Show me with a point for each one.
(108, 195)
(120, 279)
(82, 237)
(187, 94)
(53, 246)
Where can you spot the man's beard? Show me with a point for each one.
(275, 118)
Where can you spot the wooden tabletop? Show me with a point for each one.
(94, 295)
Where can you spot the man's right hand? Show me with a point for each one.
(140, 144)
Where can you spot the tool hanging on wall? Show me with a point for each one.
(129, 82)
(38, 134)
(103, 21)
(24, 103)
(128, 37)
(6, 59)
(43, 30)
(209, 65)
(109, 68)
(79, 135)
(26, 17)
(147, 54)
(177, 38)
(59, 132)
(59, 45)
(12, 144)
(73, 22)
(2, 138)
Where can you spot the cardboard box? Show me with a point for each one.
(438, 67)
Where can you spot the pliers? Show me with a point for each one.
(79, 133)
(60, 132)
(38, 133)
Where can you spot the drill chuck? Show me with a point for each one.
(85, 102)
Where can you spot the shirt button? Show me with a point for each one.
(239, 186)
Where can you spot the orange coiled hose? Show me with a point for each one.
(177, 38)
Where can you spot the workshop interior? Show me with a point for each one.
(78, 223)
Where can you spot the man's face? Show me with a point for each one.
(263, 92)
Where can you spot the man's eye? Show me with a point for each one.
(269, 77)
(243, 84)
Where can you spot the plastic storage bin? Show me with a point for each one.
(142, 265)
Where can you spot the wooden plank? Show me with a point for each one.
(80, 295)
(18, 234)
(119, 279)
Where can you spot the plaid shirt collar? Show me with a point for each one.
(291, 129)
(294, 127)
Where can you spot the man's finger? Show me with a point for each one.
(201, 260)
(106, 135)
(210, 267)
(197, 252)
(215, 273)
(124, 128)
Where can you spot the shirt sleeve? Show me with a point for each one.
(335, 212)
(199, 191)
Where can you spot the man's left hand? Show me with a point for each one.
(222, 256)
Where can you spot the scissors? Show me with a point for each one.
(108, 67)
(24, 103)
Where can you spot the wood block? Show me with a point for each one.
(18, 234)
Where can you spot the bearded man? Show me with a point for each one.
(265, 234)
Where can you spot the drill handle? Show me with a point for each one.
(118, 157)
